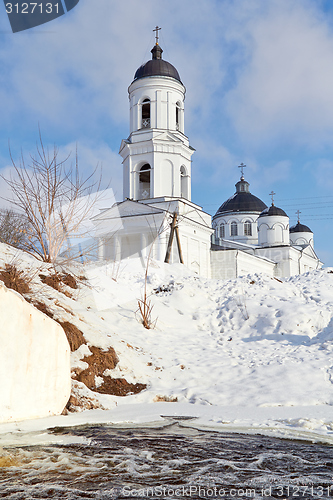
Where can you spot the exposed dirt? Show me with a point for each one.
(119, 387)
(57, 280)
(74, 335)
(79, 403)
(43, 308)
(15, 279)
(100, 361)
(69, 280)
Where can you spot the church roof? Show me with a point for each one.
(273, 210)
(157, 67)
(241, 201)
(300, 228)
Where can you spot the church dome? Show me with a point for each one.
(241, 201)
(157, 67)
(300, 228)
(273, 210)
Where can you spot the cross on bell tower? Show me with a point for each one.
(157, 29)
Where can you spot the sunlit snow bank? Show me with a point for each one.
(34, 361)
(250, 353)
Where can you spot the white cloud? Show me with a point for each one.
(284, 93)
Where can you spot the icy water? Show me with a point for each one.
(171, 462)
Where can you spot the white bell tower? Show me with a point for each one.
(156, 155)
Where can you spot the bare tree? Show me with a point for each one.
(13, 228)
(54, 199)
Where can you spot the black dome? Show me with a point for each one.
(300, 228)
(157, 67)
(273, 210)
(242, 201)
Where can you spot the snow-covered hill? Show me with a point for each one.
(250, 351)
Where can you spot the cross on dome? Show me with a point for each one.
(298, 214)
(242, 166)
(157, 29)
(272, 194)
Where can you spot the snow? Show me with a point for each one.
(253, 354)
(35, 377)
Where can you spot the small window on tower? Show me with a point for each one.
(222, 231)
(177, 115)
(183, 183)
(233, 229)
(146, 113)
(248, 228)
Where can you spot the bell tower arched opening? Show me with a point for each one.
(145, 113)
(144, 182)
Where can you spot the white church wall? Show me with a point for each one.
(273, 230)
(229, 264)
(35, 375)
(163, 93)
(165, 184)
(301, 239)
(240, 219)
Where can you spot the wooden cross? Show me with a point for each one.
(298, 214)
(157, 29)
(242, 166)
(272, 195)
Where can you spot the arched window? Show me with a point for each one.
(183, 183)
(247, 228)
(145, 113)
(222, 231)
(233, 229)
(178, 115)
(144, 182)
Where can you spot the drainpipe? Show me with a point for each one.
(299, 261)
(236, 257)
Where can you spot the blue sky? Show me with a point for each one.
(259, 79)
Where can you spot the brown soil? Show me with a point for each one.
(69, 280)
(43, 308)
(119, 387)
(56, 280)
(100, 361)
(52, 280)
(74, 335)
(77, 402)
(15, 279)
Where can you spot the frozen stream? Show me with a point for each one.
(169, 462)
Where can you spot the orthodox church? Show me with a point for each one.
(157, 217)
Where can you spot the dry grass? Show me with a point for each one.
(58, 280)
(74, 335)
(16, 279)
(145, 310)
